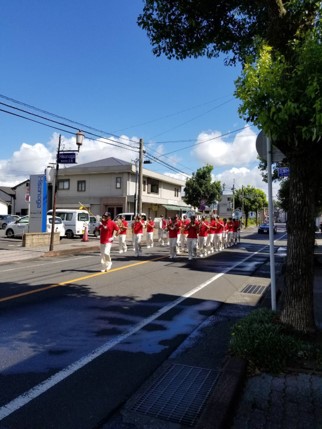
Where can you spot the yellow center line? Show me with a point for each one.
(90, 276)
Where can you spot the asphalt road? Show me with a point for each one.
(76, 343)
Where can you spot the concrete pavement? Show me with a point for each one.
(290, 400)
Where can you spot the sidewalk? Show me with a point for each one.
(263, 401)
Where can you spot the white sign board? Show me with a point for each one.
(261, 147)
(38, 203)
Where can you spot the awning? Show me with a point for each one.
(174, 208)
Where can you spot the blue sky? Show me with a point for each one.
(90, 63)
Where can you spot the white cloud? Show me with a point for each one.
(243, 176)
(212, 149)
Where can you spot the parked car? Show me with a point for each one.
(6, 219)
(58, 227)
(129, 217)
(17, 228)
(93, 226)
(264, 228)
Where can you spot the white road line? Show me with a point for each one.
(41, 388)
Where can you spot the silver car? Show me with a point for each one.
(17, 228)
(6, 219)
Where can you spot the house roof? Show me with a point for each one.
(7, 190)
(106, 162)
(115, 165)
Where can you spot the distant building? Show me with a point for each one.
(111, 185)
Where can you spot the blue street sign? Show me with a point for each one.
(283, 172)
(67, 158)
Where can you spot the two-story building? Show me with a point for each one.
(111, 184)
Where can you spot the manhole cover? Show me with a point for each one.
(179, 394)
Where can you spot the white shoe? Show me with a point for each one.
(109, 266)
(120, 251)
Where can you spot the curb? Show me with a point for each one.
(71, 251)
(221, 405)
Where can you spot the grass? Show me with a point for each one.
(269, 345)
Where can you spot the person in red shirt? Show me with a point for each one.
(211, 234)
(184, 233)
(203, 235)
(173, 228)
(218, 235)
(107, 229)
(236, 228)
(149, 232)
(137, 232)
(123, 225)
(192, 228)
(230, 232)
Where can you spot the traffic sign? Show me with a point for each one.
(261, 147)
(67, 158)
(283, 171)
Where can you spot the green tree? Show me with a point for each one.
(200, 189)
(279, 46)
(250, 199)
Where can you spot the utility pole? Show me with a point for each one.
(139, 200)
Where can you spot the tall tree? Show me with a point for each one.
(250, 199)
(200, 190)
(279, 45)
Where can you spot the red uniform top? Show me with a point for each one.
(236, 225)
(123, 227)
(185, 223)
(107, 228)
(193, 229)
(213, 226)
(173, 229)
(220, 227)
(138, 227)
(230, 225)
(150, 226)
(203, 229)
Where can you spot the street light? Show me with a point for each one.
(64, 157)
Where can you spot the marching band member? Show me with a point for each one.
(230, 232)
(107, 229)
(184, 233)
(123, 225)
(149, 232)
(173, 228)
(218, 234)
(192, 228)
(137, 232)
(203, 235)
(211, 234)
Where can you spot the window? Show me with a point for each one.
(176, 192)
(144, 185)
(153, 186)
(81, 185)
(63, 184)
(118, 182)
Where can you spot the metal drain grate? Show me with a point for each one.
(179, 394)
(253, 289)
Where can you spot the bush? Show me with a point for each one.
(265, 342)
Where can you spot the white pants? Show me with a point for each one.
(210, 242)
(105, 255)
(173, 247)
(137, 244)
(202, 245)
(122, 243)
(192, 247)
(149, 239)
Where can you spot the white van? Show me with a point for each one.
(129, 217)
(74, 221)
